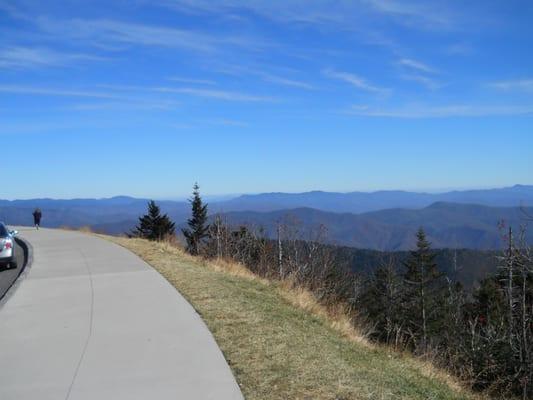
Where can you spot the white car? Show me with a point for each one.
(7, 247)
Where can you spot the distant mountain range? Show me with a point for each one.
(118, 213)
(360, 202)
(385, 220)
(448, 225)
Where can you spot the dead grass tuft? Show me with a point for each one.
(337, 317)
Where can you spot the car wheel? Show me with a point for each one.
(13, 264)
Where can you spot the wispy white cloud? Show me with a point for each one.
(311, 11)
(13, 11)
(286, 82)
(121, 88)
(136, 94)
(128, 105)
(193, 81)
(354, 80)
(183, 126)
(428, 83)
(429, 14)
(417, 65)
(215, 94)
(419, 14)
(418, 71)
(110, 34)
(459, 49)
(197, 124)
(7, 128)
(428, 111)
(46, 91)
(29, 57)
(522, 85)
(112, 99)
(240, 70)
(229, 122)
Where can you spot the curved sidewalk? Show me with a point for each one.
(93, 321)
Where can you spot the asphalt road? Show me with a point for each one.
(8, 276)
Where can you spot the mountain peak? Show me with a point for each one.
(522, 187)
(122, 197)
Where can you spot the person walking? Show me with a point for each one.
(37, 217)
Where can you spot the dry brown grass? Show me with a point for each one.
(282, 344)
(336, 317)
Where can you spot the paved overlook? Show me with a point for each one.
(90, 320)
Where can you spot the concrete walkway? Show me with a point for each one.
(93, 321)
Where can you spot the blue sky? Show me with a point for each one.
(144, 97)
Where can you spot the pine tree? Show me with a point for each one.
(424, 291)
(198, 227)
(381, 303)
(154, 226)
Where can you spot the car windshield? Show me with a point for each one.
(3, 231)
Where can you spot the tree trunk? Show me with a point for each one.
(280, 253)
(510, 287)
(424, 319)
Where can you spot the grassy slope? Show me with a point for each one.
(280, 351)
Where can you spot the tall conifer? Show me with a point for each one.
(424, 290)
(198, 228)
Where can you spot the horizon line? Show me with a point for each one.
(230, 196)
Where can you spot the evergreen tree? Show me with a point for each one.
(424, 292)
(154, 226)
(198, 229)
(381, 303)
(489, 302)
